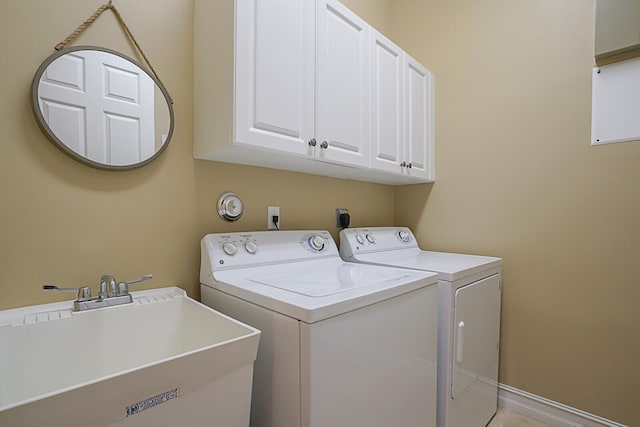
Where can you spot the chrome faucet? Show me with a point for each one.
(111, 293)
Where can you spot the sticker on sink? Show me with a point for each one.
(151, 402)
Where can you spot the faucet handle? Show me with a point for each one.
(108, 286)
(82, 294)
(142, 279)
(123, 287)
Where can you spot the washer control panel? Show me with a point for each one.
(226, 250)
(375, 239)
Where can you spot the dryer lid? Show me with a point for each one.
(449, 266)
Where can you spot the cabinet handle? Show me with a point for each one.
(324, 144)
(403, 164)
(409, 165)
(312, 142)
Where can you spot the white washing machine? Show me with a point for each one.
(342, 344)
(468, 320)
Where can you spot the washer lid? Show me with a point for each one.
(329, 281)
(318, 289)
(449, 266)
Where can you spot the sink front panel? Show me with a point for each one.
(101, 367)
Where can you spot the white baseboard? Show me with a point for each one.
(547, 411)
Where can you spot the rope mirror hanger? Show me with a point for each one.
(128, 32)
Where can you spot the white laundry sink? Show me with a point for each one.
(163, 360)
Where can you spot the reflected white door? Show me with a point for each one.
(101, 106)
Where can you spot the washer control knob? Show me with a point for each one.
(229, 248)
(316, 243)
(251, 247)
(404, 236)
(370, 238)
(360, 238)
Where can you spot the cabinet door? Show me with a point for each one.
(275, 74)
(387, 104)
(342, 119)
(420, 131)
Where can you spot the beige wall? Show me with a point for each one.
(517, 178)
(65, 223)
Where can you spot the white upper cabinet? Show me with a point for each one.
(387, 104)
(402, 133)
(275, 74)
(310, 87)
(419, 146)
(342, 119)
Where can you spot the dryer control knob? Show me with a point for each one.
(371, 238)
(229, 248)
(360, 238)
(251, 247)
(404, 236)
(316, 243)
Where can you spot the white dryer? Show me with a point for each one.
(342, 344)
(469, 289)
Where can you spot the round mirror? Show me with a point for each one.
(102, 108)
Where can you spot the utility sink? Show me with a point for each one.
(163, 360)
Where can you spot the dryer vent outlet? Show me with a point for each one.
(342, 218)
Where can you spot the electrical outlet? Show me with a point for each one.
(340, 211)
(271, 212)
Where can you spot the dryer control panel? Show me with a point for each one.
(375, 239)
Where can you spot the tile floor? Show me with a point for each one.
(507, 418)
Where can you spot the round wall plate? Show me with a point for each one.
(230, 207)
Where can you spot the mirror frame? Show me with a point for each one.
(35, 104)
